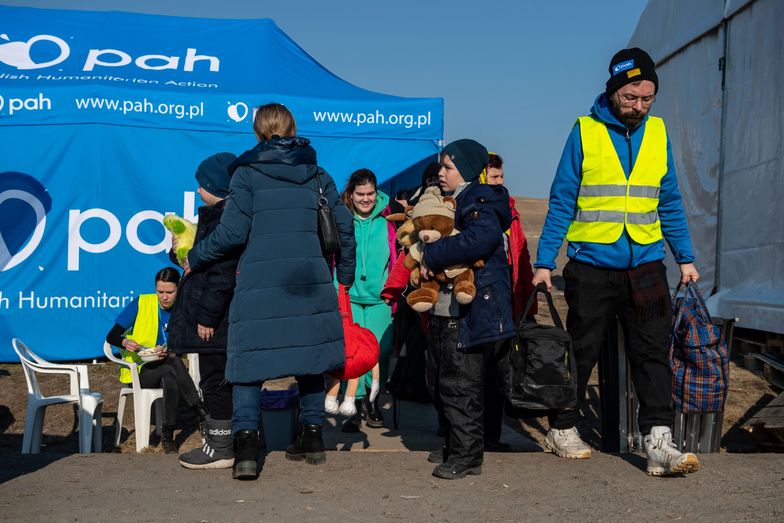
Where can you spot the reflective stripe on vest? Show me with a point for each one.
(608, 202)
(144, 332)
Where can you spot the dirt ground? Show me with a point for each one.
(513, 487)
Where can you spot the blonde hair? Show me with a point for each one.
(274, 120)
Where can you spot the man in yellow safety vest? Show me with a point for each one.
(615, 199)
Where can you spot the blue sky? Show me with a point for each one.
(513, 74)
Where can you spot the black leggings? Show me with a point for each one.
(171, 375)
(214, 387)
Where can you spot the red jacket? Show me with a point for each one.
(520, 260)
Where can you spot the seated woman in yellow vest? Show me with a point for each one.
(143, 324)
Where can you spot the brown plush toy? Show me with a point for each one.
(433, 218)
(405, 232)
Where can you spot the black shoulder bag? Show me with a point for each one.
(542, 373)
(327, 227)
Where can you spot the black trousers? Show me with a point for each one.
(495, 398)
(456, 379)
(171, 375)
(596, 297)
(215, 390)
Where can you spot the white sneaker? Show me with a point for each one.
(567, 443)
(348, 407)
(331, 405)
(664, 459)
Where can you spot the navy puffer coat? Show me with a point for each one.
(284, 318)
(482, 216)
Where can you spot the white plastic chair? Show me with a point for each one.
(143, 402)
(193, 370)
(89, 403)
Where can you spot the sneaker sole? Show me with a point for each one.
(474, 471)
(375, 424)
(584, 455)
(689, 465)
(218, 464)
(312, 458)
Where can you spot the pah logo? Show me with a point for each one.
(17, 54)
(237, 112)
(24, 204)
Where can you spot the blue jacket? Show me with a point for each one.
(283, 319)
(482, 216)
(624, 253)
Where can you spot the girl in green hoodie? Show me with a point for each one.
(376, 252)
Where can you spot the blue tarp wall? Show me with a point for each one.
(103, 120)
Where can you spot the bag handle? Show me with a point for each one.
(541, 287)
(344, 303)
(694, 291)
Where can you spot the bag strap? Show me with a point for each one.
(679, 306)
(322, 201)
(694, 290)
(541, 287)
(344, 303)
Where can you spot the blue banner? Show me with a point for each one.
(104, 118)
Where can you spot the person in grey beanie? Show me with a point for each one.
(199, 322)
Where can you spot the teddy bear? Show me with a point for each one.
(433, 218)
(405, 232)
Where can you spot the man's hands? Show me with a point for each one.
(543, 276)
(688, 272)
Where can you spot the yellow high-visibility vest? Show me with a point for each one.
(608, 202)
(144, 332)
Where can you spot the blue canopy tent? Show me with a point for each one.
(103, 120)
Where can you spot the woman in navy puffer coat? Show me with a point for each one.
(284, 318)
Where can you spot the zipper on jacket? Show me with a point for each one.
(628, 181)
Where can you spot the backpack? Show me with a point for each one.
(541, 373)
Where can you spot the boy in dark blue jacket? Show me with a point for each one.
(462, 338)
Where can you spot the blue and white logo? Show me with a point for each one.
(623, 66)
(24, 204)
(19, 54)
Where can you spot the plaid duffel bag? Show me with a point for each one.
(699, 355)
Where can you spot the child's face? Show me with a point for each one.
(449, 177)
(207, 197)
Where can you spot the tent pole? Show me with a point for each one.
(719, 214)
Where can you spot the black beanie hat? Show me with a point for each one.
(469, 156)
(213, 174)
(631, 65)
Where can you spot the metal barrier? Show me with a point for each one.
(692, 432)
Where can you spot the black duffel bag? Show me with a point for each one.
(541, 372)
